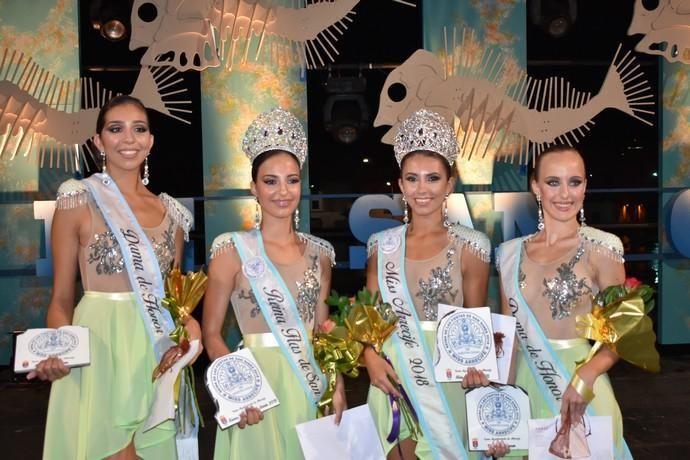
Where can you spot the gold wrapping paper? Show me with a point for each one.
(624, 327)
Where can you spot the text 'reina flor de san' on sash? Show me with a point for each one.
(280, 312)
(139, 258)
(548, 370)
(432, 407)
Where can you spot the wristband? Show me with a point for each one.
(581, 387)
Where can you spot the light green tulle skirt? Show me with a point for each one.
(383, 417)
(97, 410)
(275, 437)
(569, 352)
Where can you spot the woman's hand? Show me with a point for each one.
(194, 331)
(474, 378)
(573, 403)
(339, 400)
(380, 372)
(50, 369)
(497, 449)
(251, 416)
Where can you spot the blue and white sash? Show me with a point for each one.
(146, 282)
(140, 260)
(280, 312)
(548, 370)
(427, 396)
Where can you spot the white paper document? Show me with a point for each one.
(598, 436)
(356, 438)
(504, 325)
(235, 382)
(69, 343)
(163, 407)
(464, 339)
(497, 414)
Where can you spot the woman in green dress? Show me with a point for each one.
(98, 411)
(276, 279)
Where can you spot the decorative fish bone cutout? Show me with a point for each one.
(498, 108)
(198, 34)
(42, 113)
(666, 28)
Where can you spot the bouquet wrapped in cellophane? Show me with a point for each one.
(619, 321)
(357, 322)
(182, 295)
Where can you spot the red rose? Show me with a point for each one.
(632, 283)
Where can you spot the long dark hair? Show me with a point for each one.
(117, 101)
(258, 161)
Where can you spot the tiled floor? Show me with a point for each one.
(656, 411)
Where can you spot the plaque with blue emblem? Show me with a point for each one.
(69, 343)
(464, 339)
(235, 382)
(497, 413)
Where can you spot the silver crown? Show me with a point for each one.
(428, 131)
(276, 129)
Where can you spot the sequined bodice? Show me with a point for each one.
(558, 291)
(101, 263)
(435, 280)
(303, 280)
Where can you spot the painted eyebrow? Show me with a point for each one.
(133, 122)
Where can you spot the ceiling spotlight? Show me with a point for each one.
(345, 113)
(111, 18)
(114, 30)
(555, 17)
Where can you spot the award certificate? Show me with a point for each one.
(235, 382)
(69, 343)
(464, 339)
(497, 414)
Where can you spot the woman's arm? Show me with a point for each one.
(607, 272)
(321, 313)
(380, 372)
(475, 279)
(222, 271)
(68, 226)
(190, 323)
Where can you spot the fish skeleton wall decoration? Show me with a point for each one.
(516, 117)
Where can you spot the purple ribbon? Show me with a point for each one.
(395, 407)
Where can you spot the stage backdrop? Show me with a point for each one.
(499, 27)
(47, 31)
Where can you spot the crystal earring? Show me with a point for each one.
(145, 179)
(583, 221)
(295, 218)
(446, 222)
(406, 215)
(257, 215)
(104, 168)
(540, 214)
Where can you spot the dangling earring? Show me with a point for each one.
(295, 218)
(145, 179)
(257, 215)
(446, 222)
(583, 221)
(540, 214)
(106, 179)
(406, 215)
